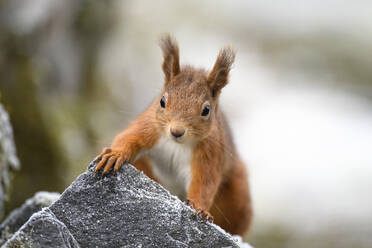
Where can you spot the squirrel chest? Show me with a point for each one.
(171, 165)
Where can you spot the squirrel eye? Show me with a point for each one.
(205, 111)
(162, 102)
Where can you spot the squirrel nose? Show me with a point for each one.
(177, 132)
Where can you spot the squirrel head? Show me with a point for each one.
(188, 105)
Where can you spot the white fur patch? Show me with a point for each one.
(171, 165)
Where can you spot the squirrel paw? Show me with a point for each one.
(109, 158)
(205, 215)
(190, 203)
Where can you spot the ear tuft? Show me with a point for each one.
(219, 76)
(171, 64)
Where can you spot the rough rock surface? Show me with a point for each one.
(8, 158)
(129, 209)
(20, 215)
(123, 210)
(43, 230)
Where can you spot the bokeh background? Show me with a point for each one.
(74, 73)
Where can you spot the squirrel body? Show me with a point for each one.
(171, 165)
(183, 141)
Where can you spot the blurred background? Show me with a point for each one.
(74, 73)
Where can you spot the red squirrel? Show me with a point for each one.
(183, 141)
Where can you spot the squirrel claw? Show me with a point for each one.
(119, 163)
(190, 203)
(205, 215)
(109, 160)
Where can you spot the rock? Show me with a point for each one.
(123, 210)
(43, 230)
(8, 158)
(129, 209)
(20, 215)
(239, 241)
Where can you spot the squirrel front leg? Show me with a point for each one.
(205, 180)
(127, 145)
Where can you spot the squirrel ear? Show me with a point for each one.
(171, 63)
(219, 76)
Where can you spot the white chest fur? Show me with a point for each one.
(171, 165)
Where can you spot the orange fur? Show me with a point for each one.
(187, 112)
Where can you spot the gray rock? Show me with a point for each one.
(20, 215)
(8, 158)
(43, 230)
(130, 210)
(123, 210)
